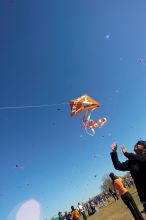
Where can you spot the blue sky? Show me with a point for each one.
(53, 51)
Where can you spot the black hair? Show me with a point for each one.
(143, 143)
(113, 176)
(72, 207)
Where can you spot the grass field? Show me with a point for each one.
(117, 210)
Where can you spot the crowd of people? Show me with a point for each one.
(84, 210)
(136, 165)
(92, 206)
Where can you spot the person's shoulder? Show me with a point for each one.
(113, 153)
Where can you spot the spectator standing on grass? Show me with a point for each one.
(75, 213)
(61, 216)
(82, 211)
(136, 164)
(89, 209)
(126, 196)
(67, 216)
(93, 207)
(101, 200)
(114, 194)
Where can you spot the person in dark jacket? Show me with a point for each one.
(136, 164)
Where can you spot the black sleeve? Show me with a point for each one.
(124, 166)
(136, 157)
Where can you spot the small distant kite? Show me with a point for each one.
(97, 155)
(95, 176)
(20, 166)
(141, 60)
(86, 103)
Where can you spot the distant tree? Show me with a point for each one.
(106, 183)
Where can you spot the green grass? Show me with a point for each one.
(116, 210)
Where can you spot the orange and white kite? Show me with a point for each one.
(82, 103)
(86, 103)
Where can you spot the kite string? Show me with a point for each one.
(32, 106)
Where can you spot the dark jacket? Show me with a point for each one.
(136, 164)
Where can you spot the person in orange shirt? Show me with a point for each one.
(75, 213)
(126, 196)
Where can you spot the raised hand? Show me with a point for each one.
(124, 149)
(114, 147)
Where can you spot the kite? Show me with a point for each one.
(82, 103)
(141, 60)
(19, 166)
(86, 103)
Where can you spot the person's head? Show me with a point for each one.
(72, 208)
(59, 213)
(113, 176)
(140, 147)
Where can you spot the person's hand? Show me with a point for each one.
(114, 147)
(124, 149)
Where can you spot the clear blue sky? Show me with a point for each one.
(52, 51)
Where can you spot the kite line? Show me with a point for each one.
(32, 106)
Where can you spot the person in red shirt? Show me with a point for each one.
(126, 196)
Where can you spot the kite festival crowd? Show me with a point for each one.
(135, 164)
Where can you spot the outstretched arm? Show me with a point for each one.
(124, 166)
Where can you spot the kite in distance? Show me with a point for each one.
(141, 60)
(20, 166)
(86, 103)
